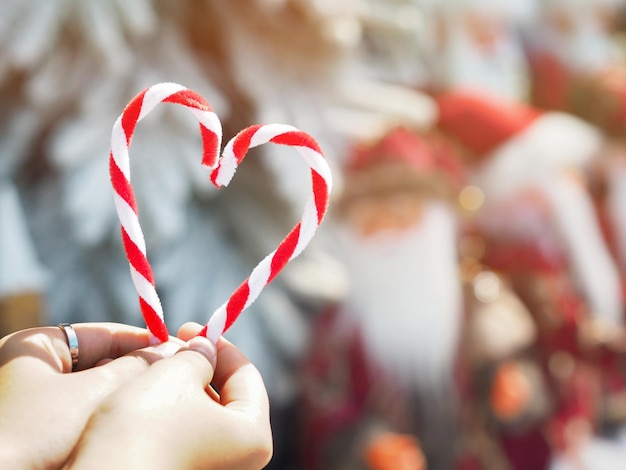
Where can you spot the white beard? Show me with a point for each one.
(406, 297)
(501, 71)
(589, 49)
(617, 209)
(591, 262)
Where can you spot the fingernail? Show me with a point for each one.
(204, 346)
(167, 349)
(153, 340)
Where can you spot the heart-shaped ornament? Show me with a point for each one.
(223, 169)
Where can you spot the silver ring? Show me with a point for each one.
(72, 342)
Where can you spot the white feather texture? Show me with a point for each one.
(552, 142)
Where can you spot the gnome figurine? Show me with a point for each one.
(383, 359)
(539, 227)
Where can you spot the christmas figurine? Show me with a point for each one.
(540, 229)
(477, 45)
(382, 361)
(577, 63)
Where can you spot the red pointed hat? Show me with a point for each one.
(399, 145)
(479, 122)
(422, 155)
(511, 144)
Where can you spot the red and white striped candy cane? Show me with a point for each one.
(299, 237)
(234, 153)
(125, 203)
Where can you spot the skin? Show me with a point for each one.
(129, 405)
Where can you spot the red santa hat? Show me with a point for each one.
(480, 123)
(517, 148)
(398, 145)
(404, 159)
(511, 143)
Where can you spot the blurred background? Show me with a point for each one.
(462, 307)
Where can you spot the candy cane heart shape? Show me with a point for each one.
(297, 239)
(124, 197)
(223, 171)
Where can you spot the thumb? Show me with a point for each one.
(202, 345)
(194, 362)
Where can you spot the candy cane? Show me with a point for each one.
(299, 237)
(223, 171)
(124, 197)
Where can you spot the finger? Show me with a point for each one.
(112, 374)
(194, 363)
(169, 399)
(99, 341)
(189, 330)
(148, 355)
(140, 359)
(239, 383)
(103, 362)
(48, 345)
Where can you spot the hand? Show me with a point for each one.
(43, 407)
(170, 417)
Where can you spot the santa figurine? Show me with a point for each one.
(478, 45)
(576, 62)
(505, 394)
(608, 188)
(539, 227)
(379, 377)
(530, 164)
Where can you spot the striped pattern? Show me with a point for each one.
(223, 171)
(124, 197)
(299, 237)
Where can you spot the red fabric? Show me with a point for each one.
(551, 81)
(424, 153)
(399, 144)
(527, 449)
(578, 402)
(469, 462)
(523, 256)
(526, 261)
(339, 383)
(481, 123)
(347, 397)
(599, 98)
